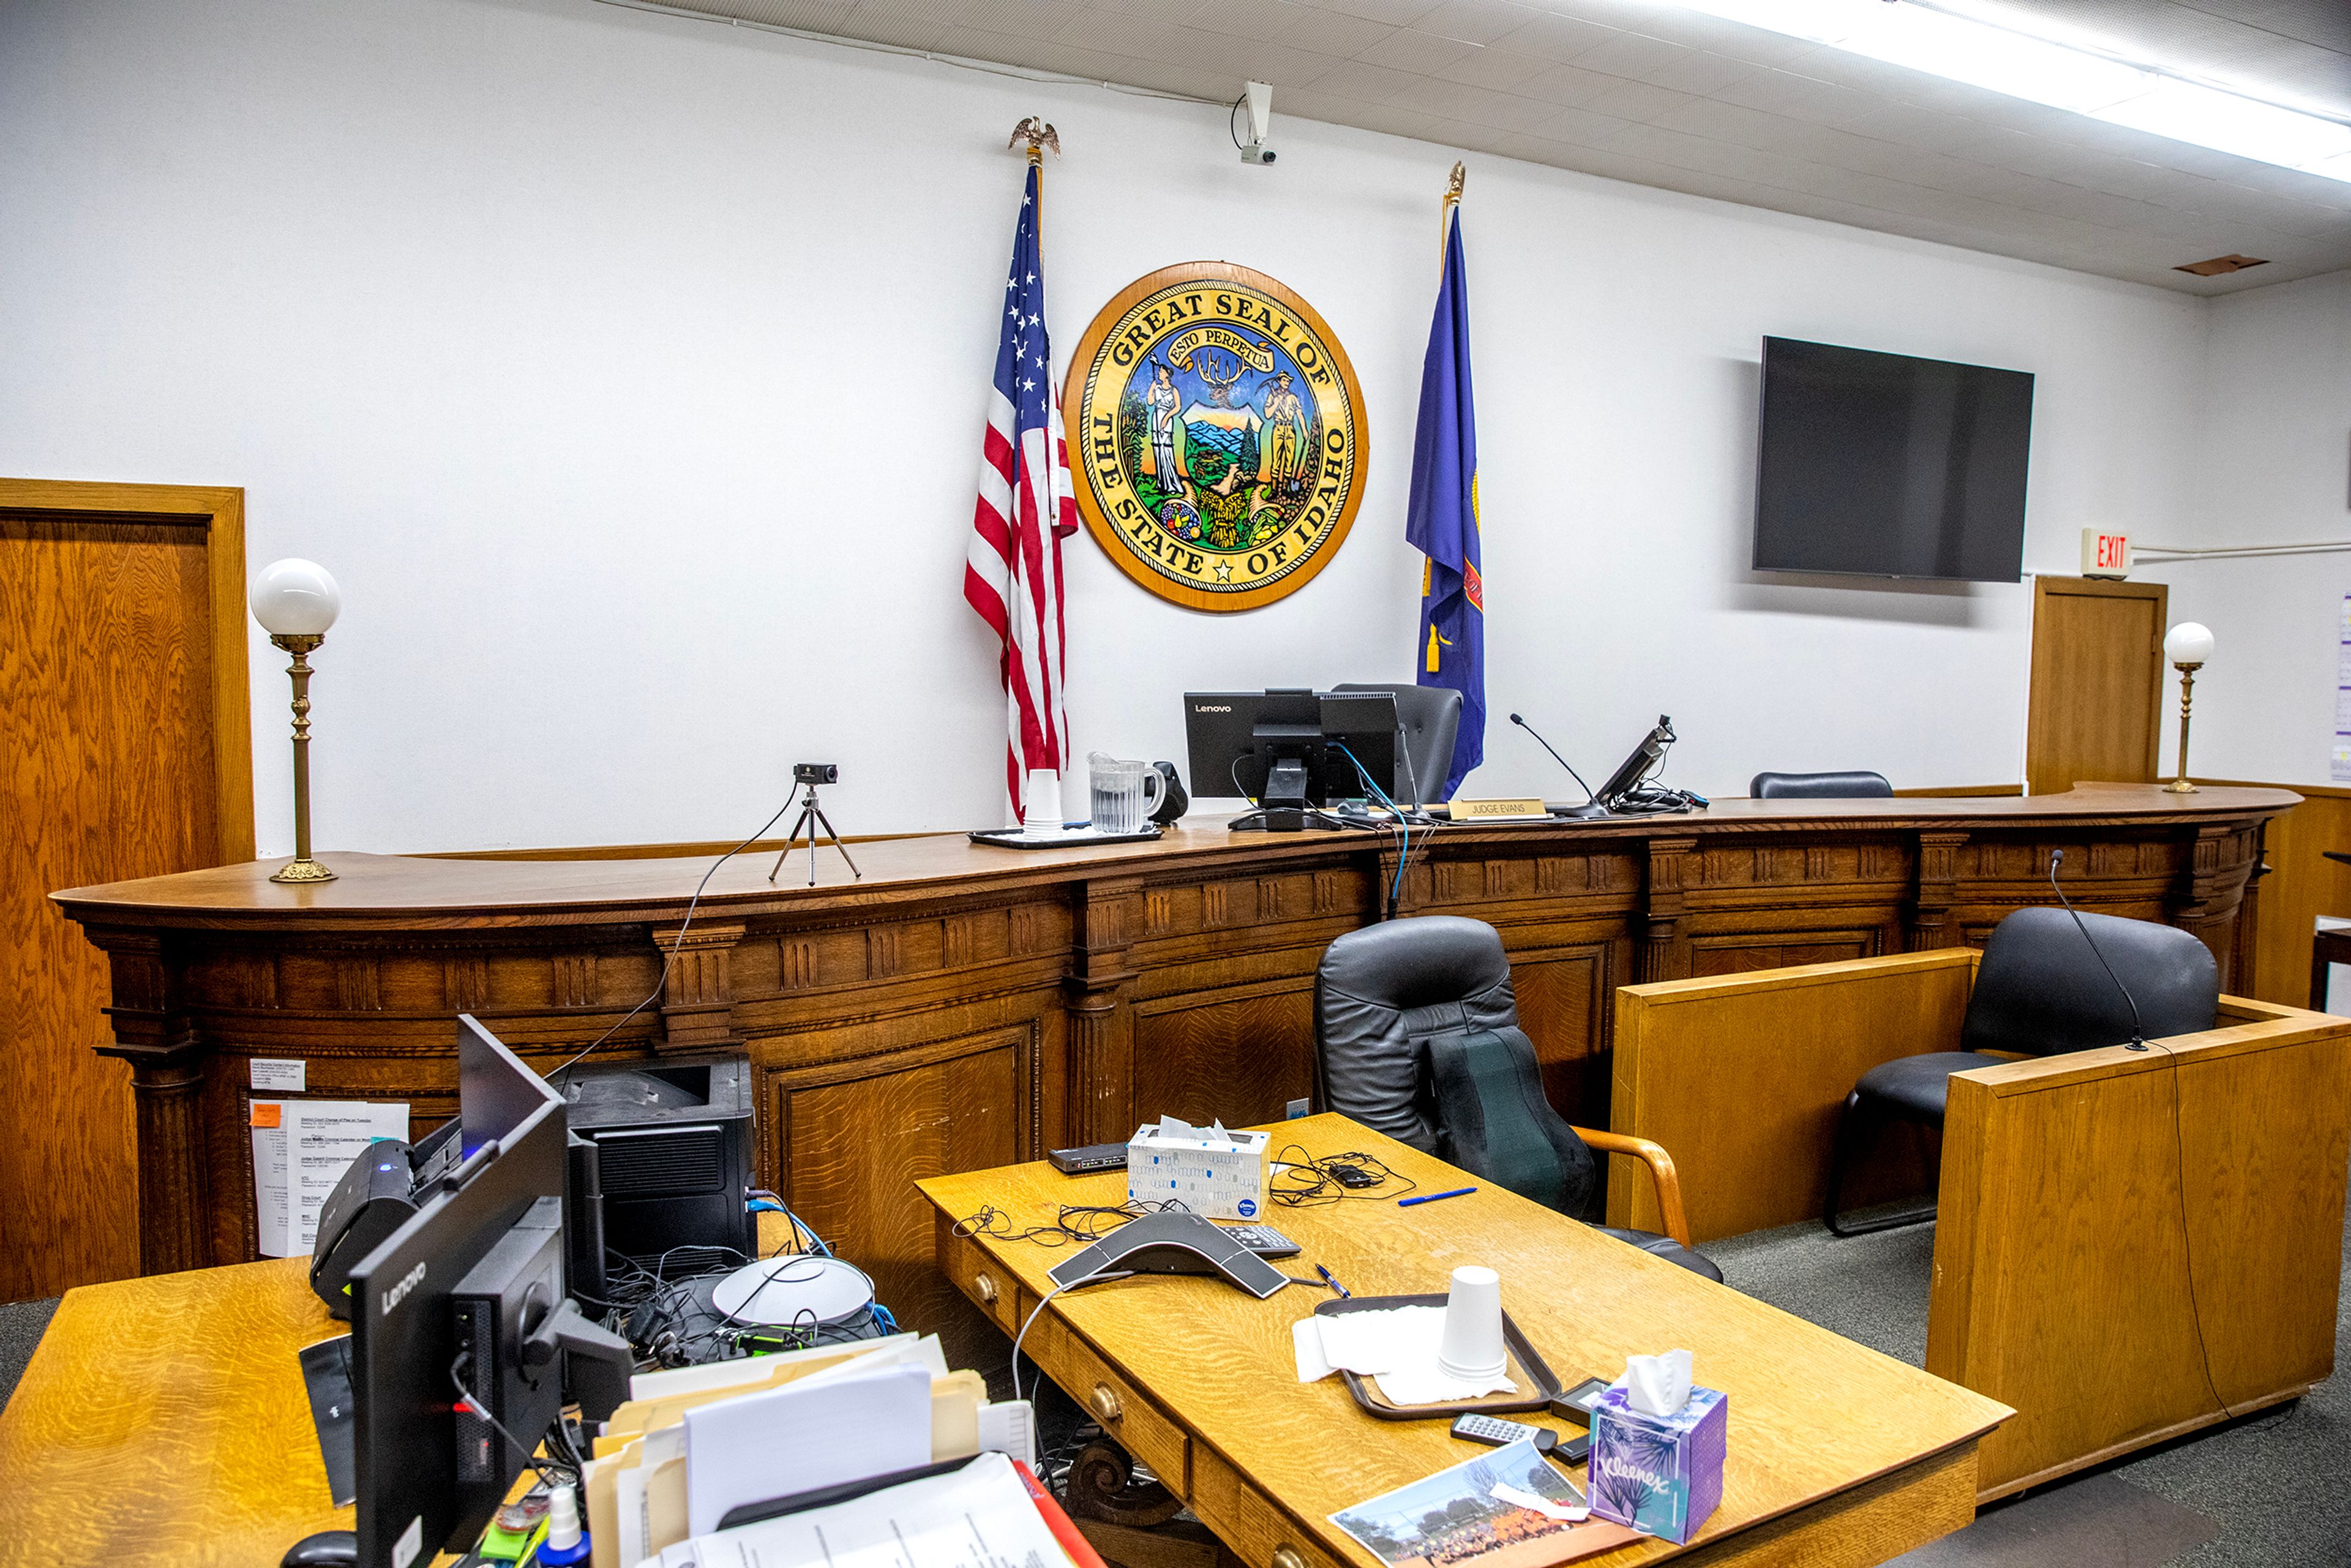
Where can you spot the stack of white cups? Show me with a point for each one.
(1044, 793)
(1471, 1349)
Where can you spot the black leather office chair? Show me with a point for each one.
(1819, 786)
(2040, 990)
(1416, 1035)
(1429, 718)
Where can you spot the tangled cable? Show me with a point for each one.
(1084, 1223)
(1311, 1181)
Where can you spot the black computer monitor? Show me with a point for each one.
(1637, 766)
(1293, 751)
(469, 1294)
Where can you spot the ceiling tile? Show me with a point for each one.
(1629, 99)
(1477, 105)
(1580, 126)
(1410, 49)
(1554, 39)
(1019, 18)
(909, 24)
(1801, 98)
(1117, 32)
(1394, 13)
(1331, 32)
(1472, 21)
(1493, 67)
(1362, 79)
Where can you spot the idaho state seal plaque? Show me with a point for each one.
(1220, 432)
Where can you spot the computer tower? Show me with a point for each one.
(673, 1157)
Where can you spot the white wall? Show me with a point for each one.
(2275, 468)
(629, 372)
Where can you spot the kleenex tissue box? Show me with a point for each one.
(1661, 1475)
(1213, 1173)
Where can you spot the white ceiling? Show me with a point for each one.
(1645, 91)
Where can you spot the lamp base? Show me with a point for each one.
(302, 871)
(2177, 787)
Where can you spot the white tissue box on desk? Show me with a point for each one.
(1213, 1173)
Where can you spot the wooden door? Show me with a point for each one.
(125, 752)
(2096, 706)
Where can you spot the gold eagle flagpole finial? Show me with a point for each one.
(1039, 136)
(1452, 200)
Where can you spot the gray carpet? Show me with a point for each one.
(21, 1324)
(2273, 1490)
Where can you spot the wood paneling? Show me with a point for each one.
(1174, 976)
(163, 1421)
(124, 752)
(856, 1134)
(1741, 1079)
(1270, 1459)
(2136, 1244)
(1242, 1060)
(2096, 702)
(2301, 885)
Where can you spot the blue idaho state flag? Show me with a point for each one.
(1441, 517)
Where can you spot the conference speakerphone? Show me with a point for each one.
(1172, 1244)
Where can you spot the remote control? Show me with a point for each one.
(1477, 1429)
(1262, 1240)
(1089, 1160)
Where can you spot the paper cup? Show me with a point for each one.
(1472, 1347)
(1044, 795)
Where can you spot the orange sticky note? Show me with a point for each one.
(266, 1115)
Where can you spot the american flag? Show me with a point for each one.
(1012, 575)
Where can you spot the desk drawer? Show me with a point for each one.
(1133, 1421)
(989, 1283)
(1246, 1519)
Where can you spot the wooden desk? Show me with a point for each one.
(163, 1421)
(963, 1008)
(1838, 1456)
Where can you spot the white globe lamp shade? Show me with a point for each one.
(295, 597)
(2188, 644)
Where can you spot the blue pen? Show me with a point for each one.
(1433, 1197)
(1332, 1280)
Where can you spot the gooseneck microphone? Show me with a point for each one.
(1591, 806)
(2138, 1034)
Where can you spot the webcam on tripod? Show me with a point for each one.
(816, 772)
(806, 777)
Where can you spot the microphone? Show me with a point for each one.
(2138, 1034)
(1591, 806)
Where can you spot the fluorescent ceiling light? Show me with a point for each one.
(2063, 76)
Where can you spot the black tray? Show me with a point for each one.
(1528, 1369)
(1012, 838)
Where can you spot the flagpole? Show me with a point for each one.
(1444, 209)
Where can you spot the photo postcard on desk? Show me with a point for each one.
(1507, 1509)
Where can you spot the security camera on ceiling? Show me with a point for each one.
(1259, 98)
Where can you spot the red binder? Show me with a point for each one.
(1081, 1551)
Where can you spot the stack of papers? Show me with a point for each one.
(977, 1516)
(1395, 1348)
(693, 1443)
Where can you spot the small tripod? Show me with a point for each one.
(810, 819)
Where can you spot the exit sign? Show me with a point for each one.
(2104, 554)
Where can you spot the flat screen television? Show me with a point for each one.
(1886, 466)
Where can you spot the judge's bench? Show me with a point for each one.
(961, 1007)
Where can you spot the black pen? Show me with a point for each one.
(1332, 1280)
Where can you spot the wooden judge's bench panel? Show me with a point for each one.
(962, 1007)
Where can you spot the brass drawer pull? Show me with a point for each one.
(984, 1288)
(1104, 1404)
(1288, 1557)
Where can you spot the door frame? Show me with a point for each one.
(218, 513)
(2046, 586)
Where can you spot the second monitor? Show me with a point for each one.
(1292, 751)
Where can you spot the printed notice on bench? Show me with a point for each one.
(300, 1150)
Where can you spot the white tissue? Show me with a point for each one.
(1657, 1384)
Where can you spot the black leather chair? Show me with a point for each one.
(1416, 1035)
(2040, 990)
(1819, 786)
(1428, 719)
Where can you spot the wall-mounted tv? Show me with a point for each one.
(1886, 466)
